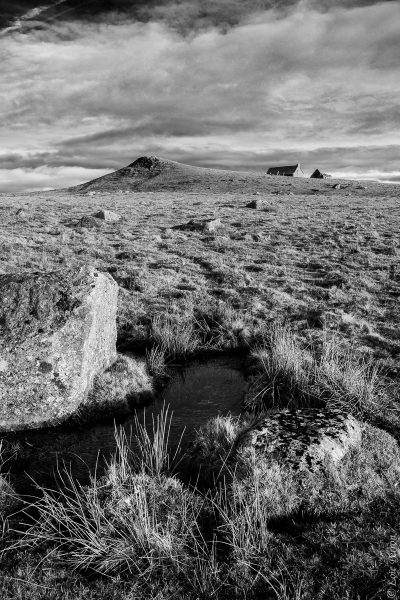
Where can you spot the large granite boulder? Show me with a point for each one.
(301, 438)
(57, 331)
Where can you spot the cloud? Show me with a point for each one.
(320, 85)
(42, 178)
(184, 15)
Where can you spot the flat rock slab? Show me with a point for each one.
(57, 331)
(302, 438)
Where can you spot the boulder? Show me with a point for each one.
(88, 222)
(57, 331)
(208, 225)
(212, 225)
(255, 204)
(301, 438)
(108, 216)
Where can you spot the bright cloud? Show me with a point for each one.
(321, 87)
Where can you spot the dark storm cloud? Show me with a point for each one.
(184, 15)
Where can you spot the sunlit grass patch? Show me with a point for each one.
(292, 375)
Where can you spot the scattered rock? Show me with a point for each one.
(108, 216)
(167, 232)
(57, 331)
(88, 222)
(212, 225)
(256, 204)
(208, 225)
(337, 186)
(126, 255)
(303, 438)
(256, 193)
(258, 237)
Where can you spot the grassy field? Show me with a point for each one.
(307, 282)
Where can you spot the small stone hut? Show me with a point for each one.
(318, 175)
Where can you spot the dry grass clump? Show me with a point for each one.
(212, 448)
(121, 387)
(223, 326)
(291, 375)
(140, 520)
(185, 330)
(140, 524)
(136, 520)
(174, 334)
(156, 362)
(8, 498)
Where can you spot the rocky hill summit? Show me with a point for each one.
(149, 173)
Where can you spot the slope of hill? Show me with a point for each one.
(153, 174)
(149, 173)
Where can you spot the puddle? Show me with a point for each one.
(200, 390)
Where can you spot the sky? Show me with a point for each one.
(88, 87)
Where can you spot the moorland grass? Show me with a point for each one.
(323, 261)
(291, 375)
(263, 532)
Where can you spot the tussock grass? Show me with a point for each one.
(212, 448)
(140, 524)
(136, 519)
(156, 361)
(290, 375)
(174, 334)
(119, 389)
(8, 498)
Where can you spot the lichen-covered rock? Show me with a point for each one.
(302, 438)
(57, 331)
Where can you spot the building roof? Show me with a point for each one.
(288, 170)
(319, 174)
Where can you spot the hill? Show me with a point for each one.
(153, 174)
(150, 173)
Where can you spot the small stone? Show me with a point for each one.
(254, 204)
(212, 225)
(88, 222)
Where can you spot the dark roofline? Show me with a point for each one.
(285, 169)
